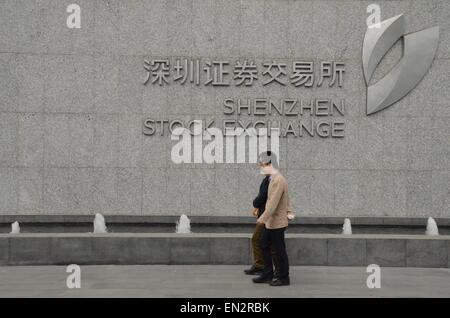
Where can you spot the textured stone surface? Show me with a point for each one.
(225, 281)
(71, 250)
(307, 251)
(432, 253)
(190, 250)
(72, 105)
(4, 251)
(23, 251)
(32, 223)
(386, 252)
(229, 251)
(346, 252)
(221, 248)
(120, 250)
(153, 251)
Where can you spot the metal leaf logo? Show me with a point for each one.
(419, 49)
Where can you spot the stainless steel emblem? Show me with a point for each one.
(419, 49)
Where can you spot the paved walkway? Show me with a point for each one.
(218, 281)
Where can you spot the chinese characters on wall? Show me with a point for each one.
(316, 117)
(243, 73)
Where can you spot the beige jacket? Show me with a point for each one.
(278, 204)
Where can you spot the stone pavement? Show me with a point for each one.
(218, 281)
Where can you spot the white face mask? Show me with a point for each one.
(265, 169)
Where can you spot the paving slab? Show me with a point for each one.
(193, 281)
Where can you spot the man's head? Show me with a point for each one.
(268, 162)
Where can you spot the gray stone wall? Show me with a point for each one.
(72, 103)
(230, 248)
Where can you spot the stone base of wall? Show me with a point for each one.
(218, 224)
(207, 248)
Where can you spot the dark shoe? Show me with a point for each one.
(280, 282)
(262, 279)
(253, 271)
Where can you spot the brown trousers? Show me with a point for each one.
(258, 261)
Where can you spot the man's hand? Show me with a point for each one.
(259, 222)
(255, 212)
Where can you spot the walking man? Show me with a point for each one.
(259, 204)
(275, 221)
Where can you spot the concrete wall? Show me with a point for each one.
(218, 224)
(303, 249)
(72, 104)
